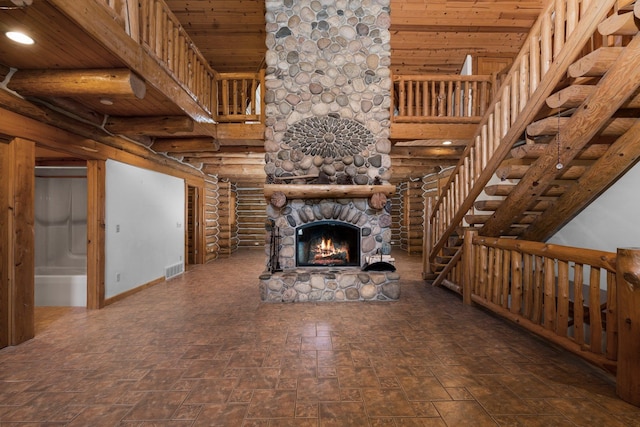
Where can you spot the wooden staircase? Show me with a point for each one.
(569, 158)
(586, 134)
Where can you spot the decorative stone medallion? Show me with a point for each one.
(328, 136)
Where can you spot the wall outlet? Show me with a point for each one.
(117, 277)
(117, 228)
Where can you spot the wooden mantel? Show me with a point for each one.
(319, 191)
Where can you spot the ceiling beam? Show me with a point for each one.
(109, 83)
(180, 145)
(149, 125)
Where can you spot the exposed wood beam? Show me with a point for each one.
(179, 145)
(409, 131)
(150, 126)
(60, 133)
(440, 152)
(242, 172)
(108, 83)
(622, 80)
(240, 131)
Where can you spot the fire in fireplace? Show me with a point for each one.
(327, 243)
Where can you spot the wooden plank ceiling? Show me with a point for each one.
(427, 36)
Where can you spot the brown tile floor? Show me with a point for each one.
(203, 350)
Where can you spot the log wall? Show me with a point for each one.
(252, 214)
(211, 226)
(411, 228)
(227, 218)
(396, 218)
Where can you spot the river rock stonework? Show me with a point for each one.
(327, 120)
(325, 284)
(328, 84)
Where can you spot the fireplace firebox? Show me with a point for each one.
(327, 243)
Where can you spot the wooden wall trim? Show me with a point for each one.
(96, 190)
(21, 241)
(6, 180)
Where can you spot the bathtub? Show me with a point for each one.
(61, 286)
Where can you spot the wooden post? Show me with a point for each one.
(96, 192)
(468, 267)
(428, 238)
(628, 277)
(17, 266)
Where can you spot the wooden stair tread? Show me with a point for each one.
(493, 205)
(482, 218)
(550, 126)
(623, 24)
(595, 64)
(519, 171)
(535, 151)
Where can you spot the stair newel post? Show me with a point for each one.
(628, 289)
(427, 243)
(468, 267)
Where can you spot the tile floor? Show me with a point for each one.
(202, 350)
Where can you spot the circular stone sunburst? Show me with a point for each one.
(328, 136)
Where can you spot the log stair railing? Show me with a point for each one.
(522, 106)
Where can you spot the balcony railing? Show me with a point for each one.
(155, 27)
(441, 98)
(239, 97)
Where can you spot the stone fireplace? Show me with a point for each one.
(327, 104)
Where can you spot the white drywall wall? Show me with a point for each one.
(610, 222)
(144, 226)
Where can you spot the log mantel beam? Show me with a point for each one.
(108, 83)
(320, 191)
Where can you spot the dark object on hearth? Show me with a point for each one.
(379, 265)
(377, 181)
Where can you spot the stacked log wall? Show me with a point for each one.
(252, 215)
(211, 224)
(396, 217)
(412, 229)
(228, 221)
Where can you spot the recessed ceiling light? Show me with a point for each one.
(446, 142)
(19, 37)
(106, 101)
